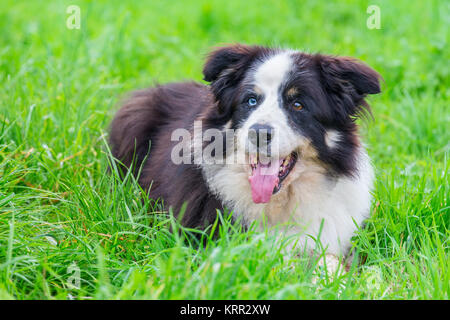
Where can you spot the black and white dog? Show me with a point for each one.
(292, 118)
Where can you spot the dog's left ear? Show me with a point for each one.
(348, 81)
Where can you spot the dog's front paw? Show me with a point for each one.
(328, 267)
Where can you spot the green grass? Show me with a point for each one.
(59, 207)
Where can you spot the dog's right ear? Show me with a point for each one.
(226, 60)
(225, 67)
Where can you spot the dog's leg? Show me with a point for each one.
(329, 266)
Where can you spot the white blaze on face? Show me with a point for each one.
(270, 75)
(268, 78)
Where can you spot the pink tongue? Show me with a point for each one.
(264, 180)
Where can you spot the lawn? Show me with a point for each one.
(70, 230)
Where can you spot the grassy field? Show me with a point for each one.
(64, 219)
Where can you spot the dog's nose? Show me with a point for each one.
(260, 135)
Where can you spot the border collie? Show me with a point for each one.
(293, 156)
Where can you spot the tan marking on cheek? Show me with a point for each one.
(309, 152)
(308, 160)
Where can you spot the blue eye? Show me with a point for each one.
(252, 102)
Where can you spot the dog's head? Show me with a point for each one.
(286, 106)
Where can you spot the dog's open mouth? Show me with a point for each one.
(266, 179)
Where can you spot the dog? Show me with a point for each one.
(292, 121)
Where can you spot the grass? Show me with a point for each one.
(62, 215)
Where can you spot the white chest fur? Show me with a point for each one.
(311, 200)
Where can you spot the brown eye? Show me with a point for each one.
(297, 106)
